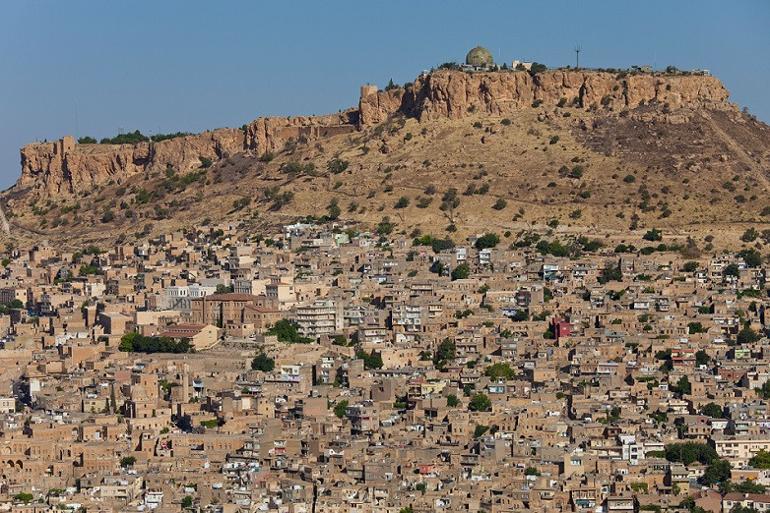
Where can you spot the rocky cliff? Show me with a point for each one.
(63, 167)
(268, 135)
(454, 94)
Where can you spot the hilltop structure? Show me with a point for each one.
(479, 58)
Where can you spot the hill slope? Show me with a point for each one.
(596, 152)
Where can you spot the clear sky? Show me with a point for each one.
(96, 67)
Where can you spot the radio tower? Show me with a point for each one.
(577, 56)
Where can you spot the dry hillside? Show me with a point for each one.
(432, 160)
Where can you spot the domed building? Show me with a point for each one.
(479, 57)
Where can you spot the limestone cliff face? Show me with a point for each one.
(268, 135)
(375, 106)
(64, 167)
(454, 94)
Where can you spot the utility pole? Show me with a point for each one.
(577, 56)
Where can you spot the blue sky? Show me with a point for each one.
(96, 67)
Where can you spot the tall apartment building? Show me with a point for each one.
(323, 317)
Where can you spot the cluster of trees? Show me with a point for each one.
(13, 305)
(336, 165)
(135, 343)
(445, 353)
(500, 371)
(372, 360)
(263, 363)
(461, 272)
(480, 402)
(488, 240)
(134, 137)
(690, 452)
(288, 331)
(717, 470)
(436, 244)
(341, 408)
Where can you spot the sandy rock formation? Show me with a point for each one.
(64, 167)
(375, 106)
(454, 94)
(265, 135)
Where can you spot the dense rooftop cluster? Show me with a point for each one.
(326, 371)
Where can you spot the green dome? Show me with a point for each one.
(479, 57)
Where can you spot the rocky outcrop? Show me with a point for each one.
(455, 94)
(376, 106)
(268, 135)
(452, 94)
(64, 167)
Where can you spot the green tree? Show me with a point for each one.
(488, 240)
(134, 137)
(337, 165)
(500, 371)
(263, 363)
(760, 460)
(653, 235)
(452, 401)
(340, 340)
(461, 272)
(187, 502)
(750, 235)
(445, 353)
(747, 335)
(341, 408)
(500, 204)
(385, 227)
(333, 210)
(23, 497)
(713, 410)
(690, 452)
(613, 273)
(747, 486)
(716, 472)
(690, 267)
(287, 331)
(127, 461)
(702, 358)
(683, 386)
(480, 402)
(133, 342)
(764, 390)
(372, 360)
(751, 256)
